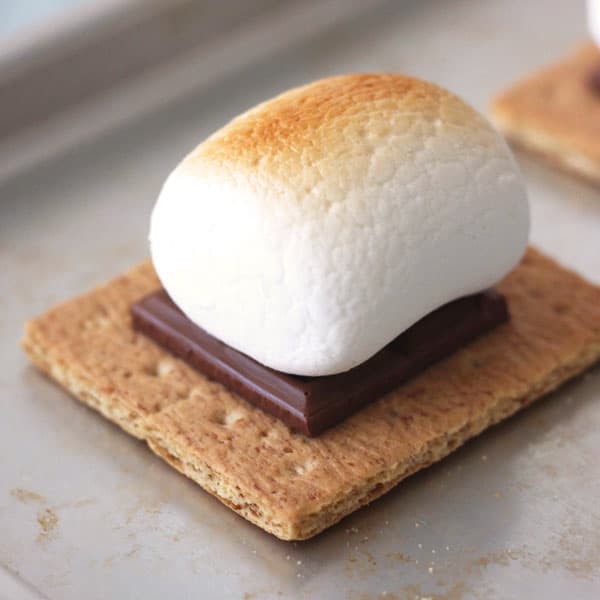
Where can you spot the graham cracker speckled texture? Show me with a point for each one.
(293, 486)
(555, 112)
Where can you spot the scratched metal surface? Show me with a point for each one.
(87, 512)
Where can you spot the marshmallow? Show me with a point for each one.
(593, 9)
(316, 227)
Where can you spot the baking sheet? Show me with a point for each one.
(88, 512)
(113, 62)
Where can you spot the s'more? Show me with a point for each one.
(340, 293)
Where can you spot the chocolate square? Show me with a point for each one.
(312, 404)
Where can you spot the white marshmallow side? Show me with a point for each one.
(316, 295)
(593, 13)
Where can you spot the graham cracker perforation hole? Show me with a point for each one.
(232, 417)
(561, 308)
(226, 418)
(185, 393)
(98, 321)
(304, 468)
(393, 412)
(162, 368)
(151, 370)
(218, 417)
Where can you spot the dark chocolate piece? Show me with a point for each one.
(312, 404)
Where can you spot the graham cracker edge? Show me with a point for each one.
(545, 144)
(310, 525)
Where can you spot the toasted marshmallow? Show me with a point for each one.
(313, 229)
(593, 9)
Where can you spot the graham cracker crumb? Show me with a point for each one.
(48, 520)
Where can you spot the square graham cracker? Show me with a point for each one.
(555, 112)
(293, 486)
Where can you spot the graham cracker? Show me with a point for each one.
(290, 485)
(556, 113)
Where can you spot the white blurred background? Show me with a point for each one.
(72, 69)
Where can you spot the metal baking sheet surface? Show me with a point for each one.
(88, 512)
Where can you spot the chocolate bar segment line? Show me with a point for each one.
(313, 404)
